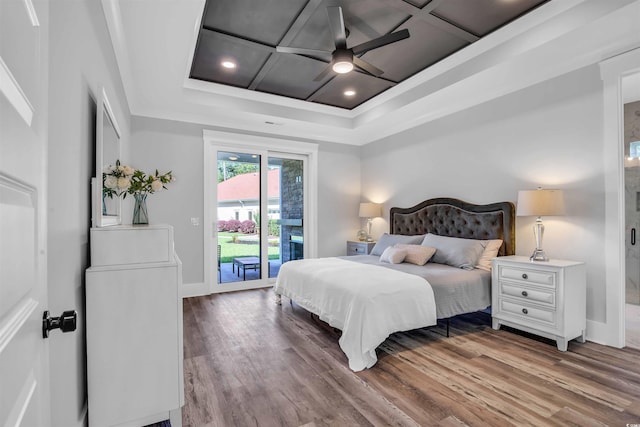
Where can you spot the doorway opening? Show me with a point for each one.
(632, 222)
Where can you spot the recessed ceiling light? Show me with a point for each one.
(349, 92)
(229, 64)
(233, 158)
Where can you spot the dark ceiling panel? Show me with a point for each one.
(247, 32)
(364, 85)
(265, 21)
(483, 16)
(426, 46)
(213, 48)
(419, 3)
(281, 81)
(367, 20)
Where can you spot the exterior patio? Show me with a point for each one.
(227, 273)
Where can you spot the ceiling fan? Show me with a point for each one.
(343, 59)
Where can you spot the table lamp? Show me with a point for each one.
(370, 211)
(540, 203)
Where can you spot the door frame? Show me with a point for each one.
(214, 141)
(612, 72)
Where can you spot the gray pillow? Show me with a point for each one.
(454, 251)
(387, 240)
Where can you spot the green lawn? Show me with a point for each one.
(247, 245)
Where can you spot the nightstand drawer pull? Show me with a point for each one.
(525, 294)
(524, 276)
(525, 311)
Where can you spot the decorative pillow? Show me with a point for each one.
(393, 255)
(417, 254)
(454, 251)
(387, 240)
(490, 251)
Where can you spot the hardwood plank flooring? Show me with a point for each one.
(249, 362)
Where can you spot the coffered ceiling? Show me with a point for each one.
(437, 71)
(245, 34)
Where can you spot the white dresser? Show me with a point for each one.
(134, 327)
(542, 298)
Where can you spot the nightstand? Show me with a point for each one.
(359, 248)
(548, 299)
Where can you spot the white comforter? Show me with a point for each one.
(367, 302)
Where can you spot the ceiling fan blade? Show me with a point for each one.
(336, 23)
(302, 51)
(380, 41)
(375, 71)
(323, 74)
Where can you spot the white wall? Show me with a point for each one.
(547, 135)
(168, 145)
(81, 58)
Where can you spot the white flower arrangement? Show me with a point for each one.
(120, 180)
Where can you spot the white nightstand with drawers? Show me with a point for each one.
(542, 298)
(359, 248)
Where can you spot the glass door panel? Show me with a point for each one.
(239, 254)
(286, 209)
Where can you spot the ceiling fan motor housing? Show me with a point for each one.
(342, 61)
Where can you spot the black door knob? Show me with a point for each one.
(66, 323)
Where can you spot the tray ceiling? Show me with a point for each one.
(247, 33)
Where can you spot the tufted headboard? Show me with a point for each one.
(455, 218)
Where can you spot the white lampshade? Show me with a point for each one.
(370, 210)
(540, 203)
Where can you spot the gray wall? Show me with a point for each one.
(547, 135)
(169, 145)
(81, 58)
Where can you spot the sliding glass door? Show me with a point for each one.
(257, 209)
(238, 244)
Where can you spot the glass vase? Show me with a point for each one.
(140, 215)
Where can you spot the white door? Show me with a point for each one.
(24, 366)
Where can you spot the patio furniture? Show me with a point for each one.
(244, 263)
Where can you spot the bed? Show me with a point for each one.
(368, 299)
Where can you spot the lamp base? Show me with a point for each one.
(538, 255)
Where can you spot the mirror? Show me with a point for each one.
(106, 209)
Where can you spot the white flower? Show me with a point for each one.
(123, 183)
(128, 170)
(110, 181)
(108, 170)
(156, 185)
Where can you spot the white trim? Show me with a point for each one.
(612, 71)
(31, 11)
(214, 141)
(193, 290)
(11, 89)
(596, 332)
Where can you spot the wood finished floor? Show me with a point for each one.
(249, 362)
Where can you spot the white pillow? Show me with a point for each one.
(393, 255)
(387, 240)
(454, 251)
(417, 254)
(490, 251)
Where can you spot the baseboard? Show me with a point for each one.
(597, 332)
(194, 290)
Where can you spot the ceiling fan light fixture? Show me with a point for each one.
(342, 61)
